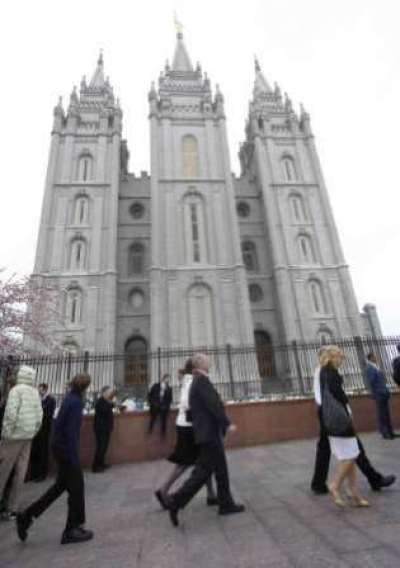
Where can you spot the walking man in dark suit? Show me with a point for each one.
(39, 467)
(103, 426)
(210, 425)
(160, 399)
(381, 394)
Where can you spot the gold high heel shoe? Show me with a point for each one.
(336, 497)
(359, 502)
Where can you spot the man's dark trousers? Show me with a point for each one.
(102, 442)
(323, 458)
(69, 478)
(383, 411)
(211, 459)
(163, 414)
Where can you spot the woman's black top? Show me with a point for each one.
(331, 379)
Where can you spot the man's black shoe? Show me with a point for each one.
(320, 490)
(386, 481)
(76, 535)
(387, 437)
(23, 523)
(212, 501)
(98, 469)
(161, 499)
(173, 512)
(231, 509)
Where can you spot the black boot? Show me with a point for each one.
(76, 535)
(231, 509)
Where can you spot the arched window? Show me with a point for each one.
(325, 336)
(195, 229)
(243, 209)
(190, 153)
(85, 167)
(136, 258)
(298, 208)
(306, 249)
(249, 254)
(78, 254)
(73, 307)
(265, 355)
(256, 293)
(317, 297)
(81, 216)
(201, 316)
(288, 168)
(136, 298)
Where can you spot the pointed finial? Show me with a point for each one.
(100, 60)
(288, 103)
(178, 27)
(167, 66)
(256, 64)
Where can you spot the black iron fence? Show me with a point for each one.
(240, 373)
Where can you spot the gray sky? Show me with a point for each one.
(341, 59)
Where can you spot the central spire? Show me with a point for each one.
(181, 60)
(98, 80)
(260, 84)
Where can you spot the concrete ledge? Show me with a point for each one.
(258, 423)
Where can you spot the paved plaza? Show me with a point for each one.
(284, 526)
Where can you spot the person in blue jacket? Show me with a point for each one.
(381, 394)
(69, 478)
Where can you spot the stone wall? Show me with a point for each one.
(258, 423)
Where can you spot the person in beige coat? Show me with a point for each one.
(22, 420)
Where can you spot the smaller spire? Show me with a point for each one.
(98, 76)
(260, 84)
(256, 64)
(181, 60)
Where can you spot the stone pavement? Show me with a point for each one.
(284, 526)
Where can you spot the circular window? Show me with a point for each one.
(255, 293)
(136, 298)
(137, 210)
(243, 209)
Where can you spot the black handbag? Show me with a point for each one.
(336, 420)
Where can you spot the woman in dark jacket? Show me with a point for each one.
(69, 477)
(345, 447)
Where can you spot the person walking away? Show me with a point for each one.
(160, 399)
(396, 367)
(103, 426)
(39, 463)
(344, 447)
(69, 478)
(186, 450)
(22, 420)
(376, 479)
(381, 394)
(210, 424)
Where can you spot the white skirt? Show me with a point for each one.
(344, 448)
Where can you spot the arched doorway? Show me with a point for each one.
(265, 354)
(136, 373)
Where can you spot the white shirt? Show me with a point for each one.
(317, 386)
(184, 401)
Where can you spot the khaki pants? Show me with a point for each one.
(14, 453)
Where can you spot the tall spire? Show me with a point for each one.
(181, 60)
(98, 81)
(261, 85)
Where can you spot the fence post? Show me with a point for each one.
(86, 361)
(159, 363)
(230, 370)
(298, 366)
(69, 360)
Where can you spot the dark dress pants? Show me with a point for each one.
(211, 459)
(39, 463)
(384, 419)
(156, 412)
(323, 457)
(102, 442)
(69, 478)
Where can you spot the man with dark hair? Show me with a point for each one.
(160, 399)
(69, 478)
(381, 394)
(210, 424)
(396, 367)
(39, 466)
(103, 426)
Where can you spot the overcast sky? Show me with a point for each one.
(341, 59)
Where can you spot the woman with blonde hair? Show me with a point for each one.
(343, 442)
